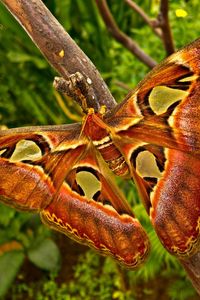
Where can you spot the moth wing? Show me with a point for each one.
(34, 162)
(164, 109)
(175, 211)
(156, 129)
(54, 171)
(168, 181)
(91, 209)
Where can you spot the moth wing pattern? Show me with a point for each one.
(55, 171)
(31, 163)
(165, 139)
(91, 209)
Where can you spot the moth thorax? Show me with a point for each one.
(94, 127)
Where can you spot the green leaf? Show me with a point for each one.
(10, 263)
(20, 57)
(118, 295)
(6, 215)
(45, 255)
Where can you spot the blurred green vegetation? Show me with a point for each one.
(36, 263)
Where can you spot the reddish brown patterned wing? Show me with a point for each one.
(157, 130)
(165, 107)
(29, 163)
(60, 174)
(91, 209)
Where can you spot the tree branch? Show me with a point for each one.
(77, 87)
(192, 267)
(145, 17)
(163, 23)
(121, 37)
(160, 26)
(57, 46)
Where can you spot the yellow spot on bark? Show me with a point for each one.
(61, 53)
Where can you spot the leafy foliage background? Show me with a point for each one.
(36, 263)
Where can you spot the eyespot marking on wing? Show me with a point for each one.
(146, 165)
(162, 97)
(88, 183)
(26, 150)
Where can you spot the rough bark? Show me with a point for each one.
(57, 46)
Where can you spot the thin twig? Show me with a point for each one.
(121, 36)
(122, 85)
(192, 267)
(163, 22)
(124, 283)
(57, 46)
(145, 17)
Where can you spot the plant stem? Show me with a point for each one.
(121, 37)
(163, 22)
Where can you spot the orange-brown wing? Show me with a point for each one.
(168, 181)
(175, 211)
(164, 109)
(157, 130)
(56, 172)
(33, 163)
(91, 209)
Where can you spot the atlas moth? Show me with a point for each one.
(66, 173)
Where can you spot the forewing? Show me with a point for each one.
(57, 172)
(165, 109)
(34, 162)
